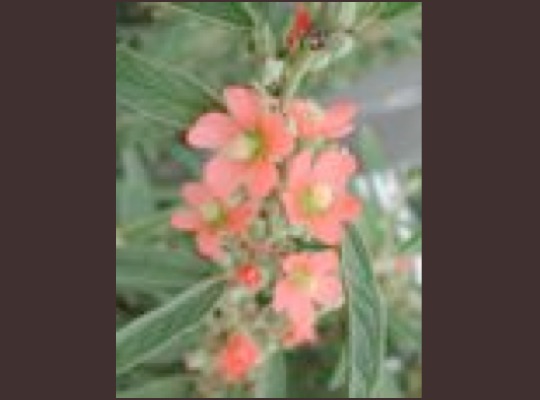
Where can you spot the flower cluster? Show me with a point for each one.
(276, 179)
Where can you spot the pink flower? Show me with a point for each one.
(239, 356)
(300, 333)
(249, 276)
(316, 195)
(313, 122)
(212, 212)
(310, 281)
(249, 141)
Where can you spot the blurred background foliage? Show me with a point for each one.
(171, 62)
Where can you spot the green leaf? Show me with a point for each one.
(146, 336)
(134, 198)
(170, 387)
(390, 9)
(234, 14)
(340, 374)
(405, 332)
(143, 268)
(142, 228)
(413, 245)
(370, 149)
(272, 378)
(174, 351)
(388, 388)
(158, 91)
(366, 318)
(189, 159)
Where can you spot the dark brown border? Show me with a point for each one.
(478, 305)
(58, 84)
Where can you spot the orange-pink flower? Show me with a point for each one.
(212, 211)
(316, 195)
(239, 356)
(313, 122)
(249, 141)
(310, 281)
(300, 333)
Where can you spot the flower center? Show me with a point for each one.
(245, 147)
(318, 199)
(212, 213)
(302, 278)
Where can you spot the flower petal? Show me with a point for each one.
(296, 305)
(327, 231)
(325, 262)
(240, 217)
(339, 119)
(244, 105)
(196, 194)
(299, 334)
(185, 220)
(329, 292)
(347, 208)
(212, 131)
(284, 296)
(263, 178)
(209, 245)
(279, 142)
(223, 176)
(334, 167)
(300, 169)
(293, 208)
(304, 114)
(291, 262)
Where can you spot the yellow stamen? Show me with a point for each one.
(212, 213)
(318, 199)
(303, 279)
(245, 147)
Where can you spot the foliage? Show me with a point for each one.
(172, 60)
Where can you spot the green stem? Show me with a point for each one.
(298, 72)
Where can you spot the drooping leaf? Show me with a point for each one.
(366, 318)
(170, 387)
(272, 378)
(142, 228)
(143, 268)
(134, 198)
(157, 91)
(140, 340)
(234, 14)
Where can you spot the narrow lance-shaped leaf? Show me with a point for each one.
(366, 318)
(233, 14)
(145, 268)
(272, 378)
(169, 387)
(158, 91)
(146, 336)
(134, 197)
